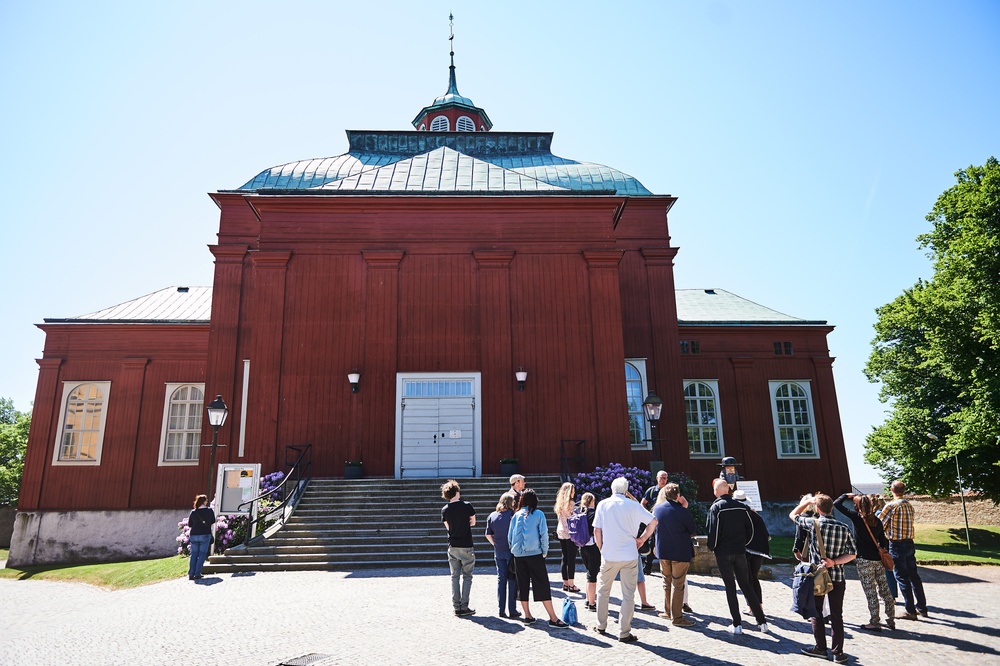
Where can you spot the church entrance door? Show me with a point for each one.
(438, 423)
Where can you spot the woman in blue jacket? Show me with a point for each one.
(528, 537)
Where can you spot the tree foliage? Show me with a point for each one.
(14, 427)
(937, 350)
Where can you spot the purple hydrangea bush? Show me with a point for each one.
(599, 481)
(231, 530)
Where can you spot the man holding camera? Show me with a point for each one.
(838, 550)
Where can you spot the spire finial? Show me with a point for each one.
(452, 84)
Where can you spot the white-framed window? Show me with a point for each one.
(180, 435)
(80, 435)
(465, 124)
(440, 124)
(704, 421)
(635, 393)
(794, 425)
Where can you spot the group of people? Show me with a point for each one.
(618, 527)
(621, 525)
(877, 526)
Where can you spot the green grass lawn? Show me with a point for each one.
(937, 544)
(115, 575)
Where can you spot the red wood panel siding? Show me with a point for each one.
(497, 364)
(41, 436)
(134, 411)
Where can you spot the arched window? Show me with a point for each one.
(791, 407)
(704, 431)
(440, 124)
(465, 124)
(81, 424)
(634, 395)
(181, 434)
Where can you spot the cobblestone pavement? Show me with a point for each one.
(405, 617)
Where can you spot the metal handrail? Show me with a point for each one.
(300, 470)
(564, 460)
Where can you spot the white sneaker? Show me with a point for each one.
(764, 628)
(735, 629)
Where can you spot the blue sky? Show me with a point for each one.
(806, 141)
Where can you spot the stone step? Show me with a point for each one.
(332, 526)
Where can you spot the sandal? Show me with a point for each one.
(570, 588)
(870, 627)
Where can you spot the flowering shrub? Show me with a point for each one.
(231, 530)
(599, 481)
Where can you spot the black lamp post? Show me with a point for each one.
(652, 406)
(217, 413)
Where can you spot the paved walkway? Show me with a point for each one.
(405, 617)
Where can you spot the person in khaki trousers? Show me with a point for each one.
(674, 530)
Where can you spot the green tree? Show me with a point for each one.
(14, 427)
(937, 350)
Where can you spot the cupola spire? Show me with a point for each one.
(452, 112)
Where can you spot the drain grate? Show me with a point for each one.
(305, 660)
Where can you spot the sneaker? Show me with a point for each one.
(628, 638)
(602, 632)
(514, 614)
(558, 624)
(590, 607)
(683, 622)
(764, 629)
(647, 607)
(528, 620)
(907, 616)
(686, 609)
(462, 612)
(735, 629)
(890, 625)
(817, 652)
(840, 657)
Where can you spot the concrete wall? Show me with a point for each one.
(6, 525)
(77, 537)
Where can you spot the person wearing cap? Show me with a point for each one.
(757, 550)
(516, 486)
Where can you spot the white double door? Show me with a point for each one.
(438, 426)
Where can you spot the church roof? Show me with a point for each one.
(510, 161)
(717, 307)
(170, 305)
(695, 307)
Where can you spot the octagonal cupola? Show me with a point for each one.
(451, 112)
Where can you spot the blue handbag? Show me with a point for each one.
(568, 611)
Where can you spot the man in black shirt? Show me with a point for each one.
(459, 518)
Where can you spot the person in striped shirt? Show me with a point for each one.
(897, 519)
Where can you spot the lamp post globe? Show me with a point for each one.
(217, 413)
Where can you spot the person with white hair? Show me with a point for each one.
(616, 524)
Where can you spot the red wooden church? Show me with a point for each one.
(434, 264)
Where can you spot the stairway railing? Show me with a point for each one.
(567, 457)
(296, 479)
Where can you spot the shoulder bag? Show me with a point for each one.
(822, 583)
(883, 554)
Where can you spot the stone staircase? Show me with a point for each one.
(341, 525)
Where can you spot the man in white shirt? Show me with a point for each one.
(616, 524)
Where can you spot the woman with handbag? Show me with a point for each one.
(871, 542)
(528, 536)
(564, 508)
(200, 520)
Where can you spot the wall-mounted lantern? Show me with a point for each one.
(522, 376)
(354, 377)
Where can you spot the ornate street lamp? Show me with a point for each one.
(217, 413)
(652, 407)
